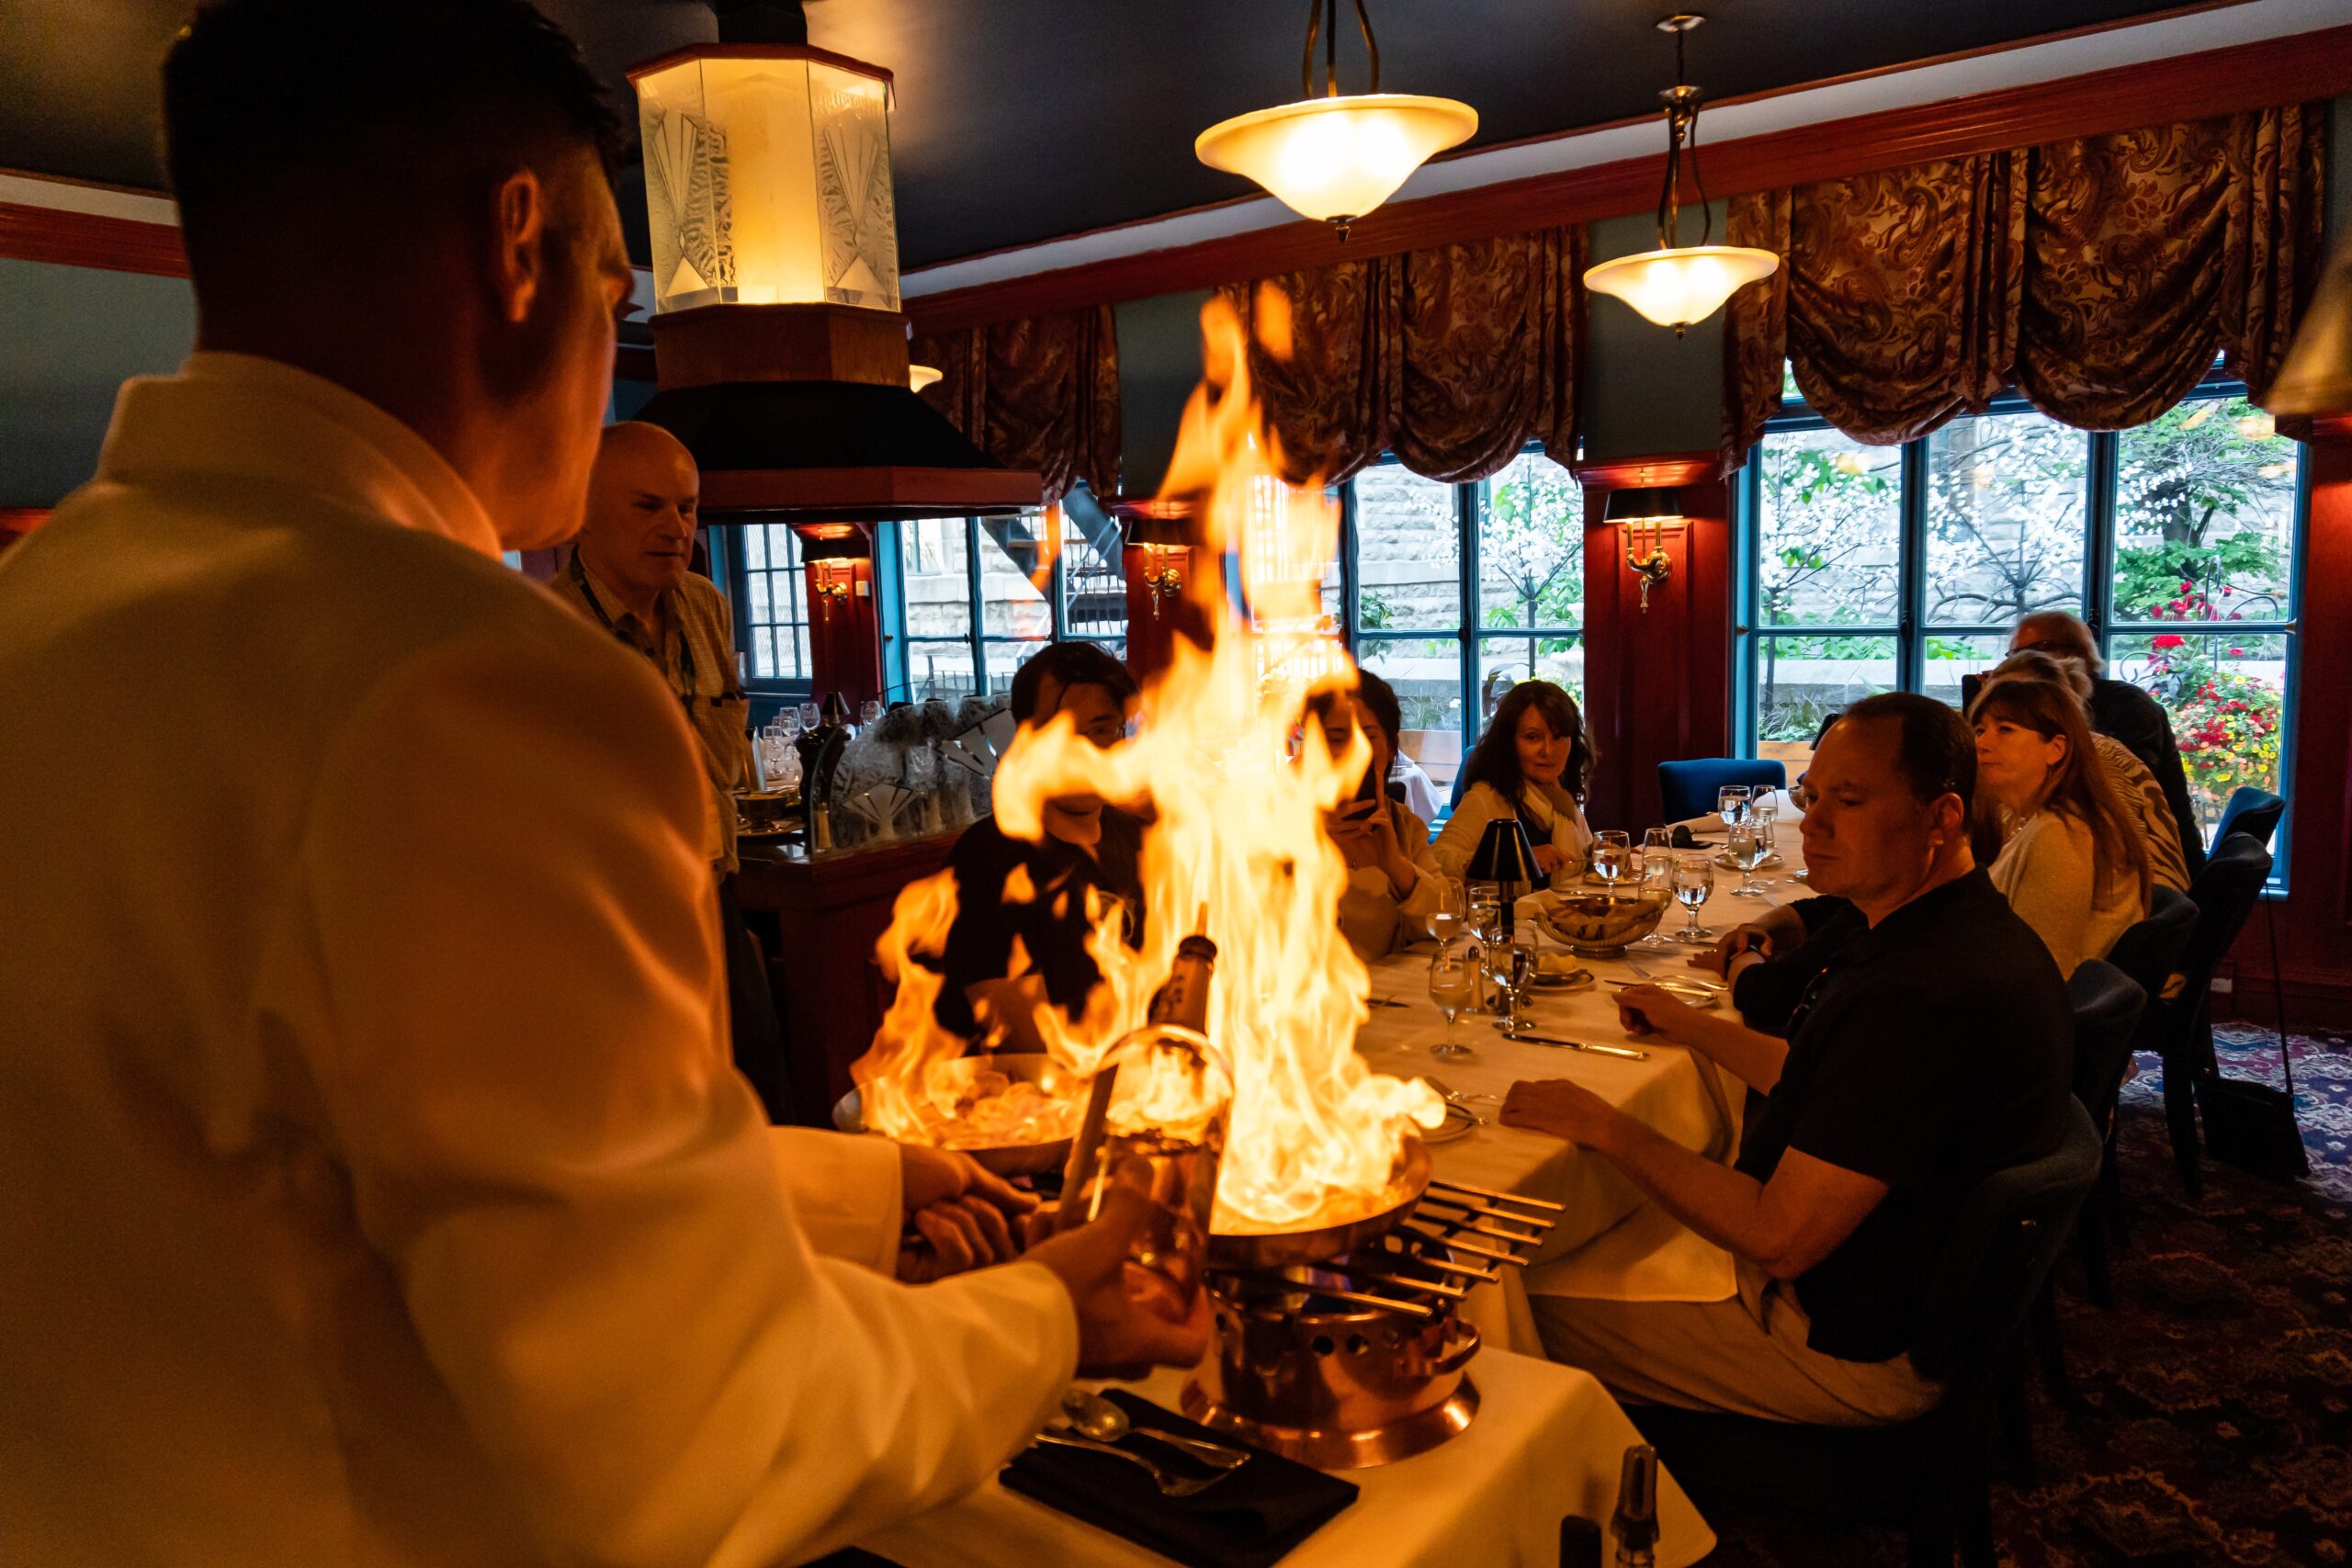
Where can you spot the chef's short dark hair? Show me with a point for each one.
(280, 115)
(1934, 750)
(1068, 664)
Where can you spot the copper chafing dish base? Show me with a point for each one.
(1021, 1066)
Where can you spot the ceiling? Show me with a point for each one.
(1020, 120)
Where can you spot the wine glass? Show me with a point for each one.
(811, 715)
(1657, 878)
(869, 713)
(1747, 851)
(1731, 803)
(1454, 987)
(1612, 855)
(1694, 883)
(1764, 812)
(1515, 973)
(1445, 920)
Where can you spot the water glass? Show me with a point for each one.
(1612, 856)
(1694, 883)
(1747, 850)
(1444, 922)
(1731, 803)
(1454, 979)
(811, 715)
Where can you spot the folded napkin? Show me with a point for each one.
(1251, 1520)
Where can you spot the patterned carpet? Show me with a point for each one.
(2211, 1416)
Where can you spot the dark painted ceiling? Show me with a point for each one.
(1018, 121)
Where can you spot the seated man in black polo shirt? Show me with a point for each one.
(1089, 847)
(1930, 1049)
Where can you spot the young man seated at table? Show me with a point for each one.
(1929, 1050)
(1089, 847)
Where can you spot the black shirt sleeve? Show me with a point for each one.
(1766, 994)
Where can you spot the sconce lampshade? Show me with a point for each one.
(1337, 158)
(1653, 504)
(767, 178)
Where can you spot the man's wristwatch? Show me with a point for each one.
(1747, 939)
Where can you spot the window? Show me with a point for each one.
(1878, 568)
(770, 605)
(1459, 591)
(977, 596)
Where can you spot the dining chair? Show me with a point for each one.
(2109, 1002)
(2251, 811)
(1928, 1476)
(2150, 953)
(1689, 788)
(2224, 893)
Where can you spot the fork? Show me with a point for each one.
(1457, 1098)
(1170, 1485)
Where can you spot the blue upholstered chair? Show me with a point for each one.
(1690, 788)
(2251, 811)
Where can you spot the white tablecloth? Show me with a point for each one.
(1547, 1441)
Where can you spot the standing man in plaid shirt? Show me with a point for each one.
(628, 574)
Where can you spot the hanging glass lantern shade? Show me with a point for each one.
(1676, 285)
(1334, 157)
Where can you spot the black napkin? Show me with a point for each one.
(1250, 1520)
(1683, 840)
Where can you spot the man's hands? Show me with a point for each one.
(1648, 1011)
(1548, 859)
(1560, 1108)
(1120, 1333)
(966, 1215)
(1716, 960)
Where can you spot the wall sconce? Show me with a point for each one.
(1160, 575)
(1643, 518)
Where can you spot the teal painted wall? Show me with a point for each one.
(1646, 392)
(69, 336)
(1159, 362)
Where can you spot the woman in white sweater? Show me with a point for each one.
(1535, 763)
(2061, 845)
(1393, 881)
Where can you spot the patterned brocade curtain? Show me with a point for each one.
(1041, 394)
(2099, 277)
(1453, 358)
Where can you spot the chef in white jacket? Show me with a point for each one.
(374, 1185)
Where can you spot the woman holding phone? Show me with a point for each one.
(1393, 882)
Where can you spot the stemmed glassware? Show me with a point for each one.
(811, 715)
(1694, 883)
(1731, 804)
(1657, 876)
(1454, 987)
(1747, 849)
(1444, 922)
(1612, 856)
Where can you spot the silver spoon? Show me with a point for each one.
(1170, 1485)
(1097, 1417)
(1456, 1098)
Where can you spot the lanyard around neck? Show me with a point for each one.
(687, 671)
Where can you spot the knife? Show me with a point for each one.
(1627, 1052)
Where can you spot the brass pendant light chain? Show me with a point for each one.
(1323, 21)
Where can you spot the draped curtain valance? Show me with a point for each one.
(1041, 394)
(1453, 358)
(2097, 276)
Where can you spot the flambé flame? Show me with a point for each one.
(1316, 1135)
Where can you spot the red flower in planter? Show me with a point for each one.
(2189, 588)
(2167, 640)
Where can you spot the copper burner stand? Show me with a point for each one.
(1362, 1359)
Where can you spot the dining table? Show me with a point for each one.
(1547, 1439)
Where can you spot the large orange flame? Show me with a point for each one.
(1316, 1135)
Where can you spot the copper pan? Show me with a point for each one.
(1021, 1067)
(1244, 1252)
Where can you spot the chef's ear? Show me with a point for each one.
(518, 259)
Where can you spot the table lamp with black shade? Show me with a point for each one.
(1506, 857)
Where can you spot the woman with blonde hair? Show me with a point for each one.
(2059, 840)
(1533, 763)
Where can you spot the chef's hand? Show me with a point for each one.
(967, 1216)
(1646, 1012)
(1560, 1108)
(1123, 1330)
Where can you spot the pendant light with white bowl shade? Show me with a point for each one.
(1676, 285)
(1335, 157)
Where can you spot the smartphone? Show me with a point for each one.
(1367, 787)
(1969, 686)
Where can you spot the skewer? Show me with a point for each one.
(1449, 1239)
(1544, 1203)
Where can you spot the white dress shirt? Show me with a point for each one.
(374, 1187)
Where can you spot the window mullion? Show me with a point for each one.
(1465, 523)
(2099, 536)
(1911, 557)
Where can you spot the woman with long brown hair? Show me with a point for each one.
(2058, 839)
(1535, 763)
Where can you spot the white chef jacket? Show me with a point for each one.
(374, 1187)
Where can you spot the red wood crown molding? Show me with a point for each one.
(85, 239)
(1644, 473)
(2191, 86)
